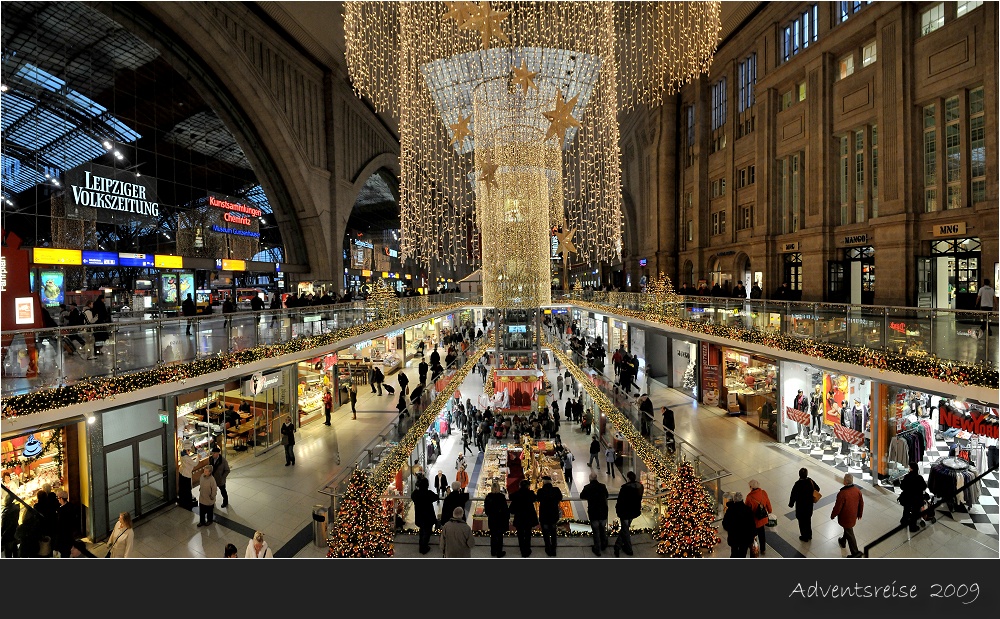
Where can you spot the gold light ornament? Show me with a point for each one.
(487, 22)
(565, 238)
(561, 117)
(521, 76)
(424, 62)
(460, 130)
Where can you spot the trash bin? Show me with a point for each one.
(319, 525)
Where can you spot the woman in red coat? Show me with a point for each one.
(758, 497)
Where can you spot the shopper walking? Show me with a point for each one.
(220, 471)
(568, 459)
(522, 505)
(668, 423)
(456, 498)
(122, 537)
(208, 488)
(462, 477)
(190, 310)
(497, 518)
(801, 499)
(257, 547)
(628, 507)
(596, 495)
(549, 498)
(423, 513)
(739, 524)
(984, 301)
(288, 440)
(913, 486)
(353, 395)
(327, 405)
(760, 506)
(457, 540)
(848, 509)
(609, 459)
(595, 451)
(441, 484)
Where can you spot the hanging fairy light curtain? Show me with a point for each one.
(508, 118)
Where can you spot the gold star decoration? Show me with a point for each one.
(566, 246)
(524, 78)
(460, 130)
(487, 22)
(561, 119)
(487, 172)
(459, 11)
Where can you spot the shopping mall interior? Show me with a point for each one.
(461, 240)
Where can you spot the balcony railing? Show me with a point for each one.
(128, 346)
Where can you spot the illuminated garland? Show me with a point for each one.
(109, 387)
(366, 515)
(489, 388)
(979, 374)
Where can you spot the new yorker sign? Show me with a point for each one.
(116, 195)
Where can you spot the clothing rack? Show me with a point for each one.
(901, 472)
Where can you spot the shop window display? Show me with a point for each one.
(750, 387)
(33, 461)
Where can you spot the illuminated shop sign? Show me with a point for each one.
(46, 255)
(361, 243)
(225, 230)
(234, 206)
(135, 260)
(112, 194)
(100, 258)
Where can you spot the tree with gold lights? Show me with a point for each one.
(364, 522)
(660, 297)
(685, 528)
(383, 300)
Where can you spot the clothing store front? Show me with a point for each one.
(55, 456)
(315, 376)
(750, 388)
(619, 335)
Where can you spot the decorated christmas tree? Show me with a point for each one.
(689, 379)
(660, 296)
(685, 528)
(364, 522)
(384, 301)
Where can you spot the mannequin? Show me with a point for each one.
(814, 403)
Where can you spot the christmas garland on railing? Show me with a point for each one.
(109, 387)
(979, 374)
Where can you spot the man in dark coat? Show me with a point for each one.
(911, 496)
(435, 356)
(422, 370)
(628, 507)
(549, 513)
(441, 484)
(596, 495)
(668, 423)
(423, 513)
(498, 519)
(522, 505)
(456, 498)
(404, 382)
(189, 309)
(802, 500)
(739, 523)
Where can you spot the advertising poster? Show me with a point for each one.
(169, 281)
(185, 281)
(834, 398)
(710, 385)
(52, 288)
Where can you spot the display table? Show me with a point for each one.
(508, 463)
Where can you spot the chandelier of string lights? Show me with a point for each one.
(508, 121)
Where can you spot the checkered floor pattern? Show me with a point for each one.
(984, 516)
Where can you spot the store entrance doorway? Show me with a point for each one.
(136, 473)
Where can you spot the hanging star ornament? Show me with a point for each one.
(487, 22)
(566, 246)
(522, 77)
(561, 119)
(487, 174)
(460, 130)
(460, 11)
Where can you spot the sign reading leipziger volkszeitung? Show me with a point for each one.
(106, 189)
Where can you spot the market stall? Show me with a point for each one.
(519, 386)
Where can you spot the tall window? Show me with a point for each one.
(845, 66)
(719, 187)
(790, 192)
(793, 271)
(782, 178)
(961, 8)
(688, 201)
(932, 19)
(859, 175)
(744, 217)
(869, 53)
(746, 76)
(844, 177)
(719, 115)
(874, 171)
(797, 35)
(952, 153)
(719, 222)
(846, 9)
(977, 145)
(930, 159)
(689, 145)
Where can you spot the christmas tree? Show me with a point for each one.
(685, 528)
(384, 301)
(660, 296)
(364, 522)
(689, 380)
